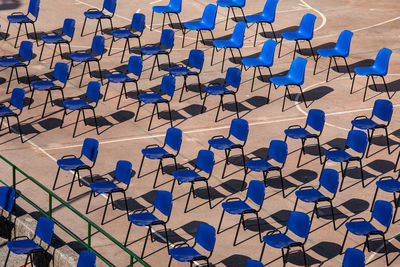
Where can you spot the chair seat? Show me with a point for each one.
(185, 254)
(278, 240)
(156, 153)
(338, 156)
(19, 19)
(104, 187)
(52, 39)
(283, 80)
(310, 195)
(164, 9)
(330, 52)
(9, 62)
(123, 34)
(217, 90)
(187, 176)
(390, 186)
(364, 124)
(179, 71)
(76, 104)
(231, 3)
(94, 14)
(222, 143)
(237, 207)
(197, 25)
(259, 18)
(360, 227)
(151, 50)
(44, 85)
(6, 112)
(144, 219)
(117, 77)
(293, 36)
(259, 165)
(152, 98)
(365, 71)
(81, 57)
(254, 62)
(226, 44)
(23, 246)
(298, 133)
(70, 164)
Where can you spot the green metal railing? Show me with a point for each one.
(48, 213)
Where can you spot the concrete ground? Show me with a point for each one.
(375, 25)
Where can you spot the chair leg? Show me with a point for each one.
(220, 221)
(19, 129)
(284, 97)
(41, 52)
(227, 153)
(72, 183)
(90, 199)
(365, 88)
(283, 187)
(302, 95)
(9, 80)
(212, 56)
(52, 57)
(190, 191)
(145, 241)
(304, 255)
(76, 123)
(127, 234)
(227, 18)
(238, 228)
(344, 240)
(123, 51)
(220, 104)
(55, 180)
(396, 206)
(208, 193)
(170, 115)
(262, 251)
(244, 178)
(16, 40)
(255, 36)
(386, 88)
(362, 174)
(223, 61)
(45, 103)
(8, 255)
(105, 209)
(329, 68)
(204, 102)
(315, 65)
(95, 122)
(101, 76)
(352, 83)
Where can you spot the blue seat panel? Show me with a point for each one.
(156, 153)
(150, 50)
(9, 62)
(52, 39)
(185, 254)
(278, 240)
(331, 52)
(390, 186)
(76, 104)
(81, 57)
(187, 176)
(217, 90)
(144, 219)
(259, 18)
(151, 98)
(292, 36)
(310, 195)
(24, 246)
(230, 3)
(259, 165)
(5, 111)
(117, 77)
(297, 133)
(253, 62)
(18, 19)
(69, 164)
(338, 155)
(364, 71)
(178, 71)
(94, 14)
(364, 124)
(44, 85)
(360, 228)
(222, 143)
(104, 187)
(226, 43)
(123, 34)
(237, 207)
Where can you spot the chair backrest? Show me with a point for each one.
(268, 52)
(238, 33)
(90, 148)
(167, 38)
(123, 171)
(316, 119)
(253, 263)
(196, 58)
(233, 77)
(205, 160)
(239, 129)
(61, 72)
(306, 27)
(383, 212)
(353, 258)
(34, 7)
(18, 98)
(86, 259)
(175, 5)
(269, 10)
(173, 138)
(299, 224)
(209, 15)
(382, 60)
(163, 202)
(205, 236)
(329, 180)
(93, 91)
(343, 42)
(256, 192)
(357, 140)
(168, 85)
(69, 27)
(383, 109)
(45, 229)
(7, 198)
(297, 70)
(278, 150)
(138, 22)
(98, 44)
(25, 50)
(110, 5)
(135, 65)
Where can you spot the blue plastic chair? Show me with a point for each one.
(266, 16)
(253, 263)
(379, 68)
(329, 180)
(24, 54)
(206, 23)
(60, 74)
(95, 55)
(68, 29)
(21, 18)
(138, 24)
(231, 5)
(204, 163)
(167, 87)
(76, 164)
(7, 201)
(172, 141)
(205, 237)
(163, 48)
(236, 41)
(382, 213)
(94, 13)
(173, 7)
(316, 121)
(23, 245)
(144, 217)
(195, 61)
(304, 32)
(278, 152)
(135, 66)
(264, 59)
(17, 101)
(341, 50)
(122, 175)
(236, 206)
(239, 129)
(92, 95)
(295, 76)
(353, 258)
(86, 259)
(383, 110)
(232, 78)
(299, 224)
(356, 140)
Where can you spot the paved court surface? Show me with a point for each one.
(375, 25)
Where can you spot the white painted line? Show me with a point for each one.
(319, 13)
(137, 11)
(155, 2)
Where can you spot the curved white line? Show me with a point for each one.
(319, 13)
